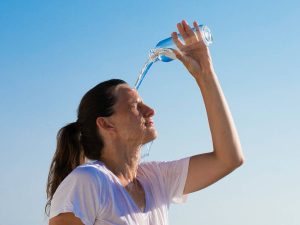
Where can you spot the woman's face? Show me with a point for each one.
(132, 118)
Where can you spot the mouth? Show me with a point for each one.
(149, 123)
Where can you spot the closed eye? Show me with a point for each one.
(135, 106)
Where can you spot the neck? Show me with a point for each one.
(123, 161)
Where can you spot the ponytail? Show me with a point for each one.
(68, 156)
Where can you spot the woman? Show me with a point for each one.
(113, 123)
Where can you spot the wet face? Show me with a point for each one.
(132, 118)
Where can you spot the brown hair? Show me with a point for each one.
(81, 139)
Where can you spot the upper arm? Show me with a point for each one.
(65, 219)
(204, 170)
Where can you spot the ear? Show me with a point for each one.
(104, 124)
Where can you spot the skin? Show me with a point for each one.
(130, 127)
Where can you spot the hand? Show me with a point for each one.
(194, 54)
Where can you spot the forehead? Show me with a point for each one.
(125, 93)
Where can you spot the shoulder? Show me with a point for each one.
(149, 167)
(151, 170)
(159, 166)
(89, 174)
(89, 170)
(81, 192)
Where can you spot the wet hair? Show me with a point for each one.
(81, 139)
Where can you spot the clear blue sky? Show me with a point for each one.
(52, 52)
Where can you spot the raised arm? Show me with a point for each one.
(205, 169)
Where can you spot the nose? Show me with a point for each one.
(148, 111)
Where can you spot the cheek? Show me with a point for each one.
(131, 123)
(135, 116)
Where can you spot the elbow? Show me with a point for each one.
(240, 161)
(234, 164)
(237, 161)
(233, 160)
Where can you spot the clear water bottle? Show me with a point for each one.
(163, 52)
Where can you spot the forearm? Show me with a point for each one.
(226, 143)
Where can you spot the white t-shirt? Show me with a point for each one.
(95, 195)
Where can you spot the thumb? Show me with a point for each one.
(180, 56)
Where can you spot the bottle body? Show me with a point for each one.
(163, 48)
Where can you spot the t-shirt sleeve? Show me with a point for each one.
(78, 193)
(174, 174)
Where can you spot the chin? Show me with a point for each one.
(151, 136)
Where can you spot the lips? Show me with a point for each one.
(149, 123)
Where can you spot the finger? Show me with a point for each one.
(179, 56)
(182, 31)
(187, 28)
(177, 41)
(191, 36)
(198, 32)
